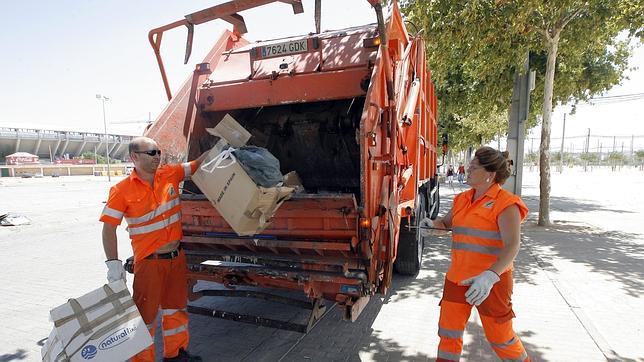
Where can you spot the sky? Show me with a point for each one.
(57, 55)
(604, 118)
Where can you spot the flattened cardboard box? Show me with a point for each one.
(103, 325)
(245, 206)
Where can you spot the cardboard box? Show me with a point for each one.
(103, 325)
(245, 206)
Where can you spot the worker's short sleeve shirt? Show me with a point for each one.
(153, 213)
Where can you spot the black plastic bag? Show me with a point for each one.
(260, 165)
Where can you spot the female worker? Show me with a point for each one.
(486, 227)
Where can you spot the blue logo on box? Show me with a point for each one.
(120, 336)
(89, 351)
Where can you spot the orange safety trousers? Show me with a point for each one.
(161, 285)
(496, 316)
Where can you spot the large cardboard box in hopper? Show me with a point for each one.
(245, 206)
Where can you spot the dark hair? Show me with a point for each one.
(494, 161)
(133, 147)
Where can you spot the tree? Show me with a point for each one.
(89, 156)
(475, 47)
(616, 158)
(589, 157)
(639, 155)
(100, 159)
(532, 157)
(567, 157)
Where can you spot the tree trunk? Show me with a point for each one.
(552, 45)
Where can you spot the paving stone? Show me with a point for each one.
(578, 288)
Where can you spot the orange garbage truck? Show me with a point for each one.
(354, 113)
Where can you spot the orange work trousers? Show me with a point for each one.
(160, 286)
(496, 316)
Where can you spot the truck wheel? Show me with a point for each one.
(436, 200)
(410, 244)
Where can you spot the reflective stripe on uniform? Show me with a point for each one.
(112, 213)
(172, 311)
(187, 170)
(449, 333)
(521, 358)
(151, 325)
(154, 213)
(512, 341)
(491, 250)
(507, 344)
(484, 234)
(155, 226)
(449, 355)
(173, 331)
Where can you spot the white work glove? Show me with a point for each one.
(115, 270)
(480, 287)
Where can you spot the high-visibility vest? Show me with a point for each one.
(152, 212)
(476, 239)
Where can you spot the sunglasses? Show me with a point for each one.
(151, 152)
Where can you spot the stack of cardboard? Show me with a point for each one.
(103, 325)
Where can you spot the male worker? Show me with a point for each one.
(149, 200)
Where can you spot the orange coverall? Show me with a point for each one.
(153, 214)
(476, 244)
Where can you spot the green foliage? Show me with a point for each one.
(87, 156)
(475, 46)
(100, 159)
(589, 157)
(532, 157)
(567, 157)
(616, 156)
(639, 155)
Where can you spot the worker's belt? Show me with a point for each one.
(169, 255)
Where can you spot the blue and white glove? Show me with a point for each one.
(480, 287)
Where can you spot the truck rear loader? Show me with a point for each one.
(354, 112)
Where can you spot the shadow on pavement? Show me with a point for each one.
(605, 252)
(353, 339)
(19, 354)
(430, 281)
(346, 341)
(479, 349)
(566, 204)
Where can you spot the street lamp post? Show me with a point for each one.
(103, 98)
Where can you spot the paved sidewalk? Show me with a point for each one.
(568, 281)
(403, 326)
(578, 290)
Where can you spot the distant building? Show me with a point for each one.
(74, 161)
(52, 144)
(21, 158)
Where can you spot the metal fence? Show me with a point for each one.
(589, 149)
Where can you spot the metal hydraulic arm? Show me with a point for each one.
(229, 12)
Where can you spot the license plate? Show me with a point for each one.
(289, 47)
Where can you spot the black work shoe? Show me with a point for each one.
(183, 356)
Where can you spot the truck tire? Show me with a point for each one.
(436, 200)
(410, 244)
